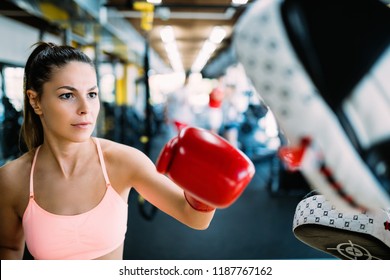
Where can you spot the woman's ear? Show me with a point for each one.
(34, 101)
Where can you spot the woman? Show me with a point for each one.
(65, 195)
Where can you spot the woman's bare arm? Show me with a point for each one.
(139, 172)
(11, 230)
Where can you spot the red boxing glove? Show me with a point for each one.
(211, 171)
(198, 205)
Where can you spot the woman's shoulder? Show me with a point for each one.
(124, 162)
(117, 153)
(112, 148)
(17, 166)
(14, 175)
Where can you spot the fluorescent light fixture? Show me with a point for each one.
(239, 2)
(217, 34)
(209, 46)
(168, 38)
(203, 56)
(154, 1)
(167, 35)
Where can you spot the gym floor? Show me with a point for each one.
(257, 226)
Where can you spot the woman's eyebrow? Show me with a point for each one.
(74, 89)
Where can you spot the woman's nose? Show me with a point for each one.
(84, 107)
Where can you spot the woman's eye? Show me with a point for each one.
(92, 95)
(66, 96)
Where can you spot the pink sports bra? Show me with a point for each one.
(89, 235)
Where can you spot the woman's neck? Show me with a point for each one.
(66, 157)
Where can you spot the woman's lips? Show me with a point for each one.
(82, 125)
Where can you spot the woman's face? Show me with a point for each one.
(70, 103)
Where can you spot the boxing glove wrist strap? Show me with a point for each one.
(197, 205)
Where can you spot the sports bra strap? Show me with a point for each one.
(32, 172)
(101, 159)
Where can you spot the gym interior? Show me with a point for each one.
(137, 82)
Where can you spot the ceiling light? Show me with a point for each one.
(203, 56)
(154, 1)
(239, 2)
(167, 35)
(209, 46)
(217, 35)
